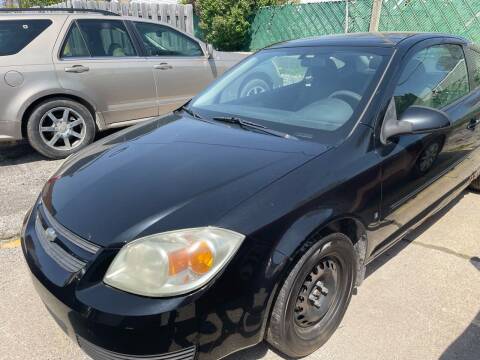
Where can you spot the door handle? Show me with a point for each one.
(163, 66)
(78, 69)
(473, 124)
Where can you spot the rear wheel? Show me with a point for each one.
(314, 297)
(59, 127)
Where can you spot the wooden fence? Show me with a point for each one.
(176, 15)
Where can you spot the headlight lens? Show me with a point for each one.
(172, 263)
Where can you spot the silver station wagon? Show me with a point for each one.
(66, 74)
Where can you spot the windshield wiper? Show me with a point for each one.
(190, 112)
(245, 124)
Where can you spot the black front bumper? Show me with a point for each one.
(110, 324)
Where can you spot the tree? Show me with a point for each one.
(226, 23)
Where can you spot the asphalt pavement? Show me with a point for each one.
(421, 300)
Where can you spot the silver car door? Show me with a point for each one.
(180, 65)
(98, 61)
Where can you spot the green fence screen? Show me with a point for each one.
(293, 21)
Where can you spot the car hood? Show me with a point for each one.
(171, 173)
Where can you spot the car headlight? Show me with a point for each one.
(172, 263)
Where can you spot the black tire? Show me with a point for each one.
(263, 80)
(287, 330)
(39, 141)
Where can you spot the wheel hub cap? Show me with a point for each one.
(62, 128)
(316, 294)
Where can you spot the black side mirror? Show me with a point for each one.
(416, 120)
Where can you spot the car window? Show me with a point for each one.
(74, 45)
(162, 41)
(290, 69)
(315, 93)
(475, 56)
(15, 35)
(435, 77)
(106, 38)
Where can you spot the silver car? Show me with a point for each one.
(66, 75)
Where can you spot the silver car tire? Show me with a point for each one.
(60, 127)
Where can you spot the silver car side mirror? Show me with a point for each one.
(210, 51)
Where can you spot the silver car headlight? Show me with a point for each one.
(172, 263)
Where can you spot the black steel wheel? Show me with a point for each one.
(314, 297)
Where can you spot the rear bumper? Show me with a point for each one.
(10, 131)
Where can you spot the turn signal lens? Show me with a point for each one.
(172, 263)
(201, 258)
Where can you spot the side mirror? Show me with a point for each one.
(210, 51)
(416, 120)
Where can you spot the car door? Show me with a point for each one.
(99, 60)
(181, 67)
(420, 171)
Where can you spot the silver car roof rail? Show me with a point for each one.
(47, 10)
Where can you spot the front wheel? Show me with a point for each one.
(314, 297)
(59, 127)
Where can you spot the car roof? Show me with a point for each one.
(379, 39)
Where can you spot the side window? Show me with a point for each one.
(17, 34)
(435, 77)
(290, 69)
(475, 56)
(160, 40)
(74, 45)
(106, 38)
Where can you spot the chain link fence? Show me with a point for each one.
(279, 23)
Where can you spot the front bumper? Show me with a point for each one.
(10, 131)
(110, 324)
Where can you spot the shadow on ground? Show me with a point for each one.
(17, 153)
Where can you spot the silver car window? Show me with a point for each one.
(160, 40)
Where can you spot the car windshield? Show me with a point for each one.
(314, 93)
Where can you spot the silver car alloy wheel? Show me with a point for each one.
(62, 128)
(254, 87)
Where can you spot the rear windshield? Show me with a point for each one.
(16, 34)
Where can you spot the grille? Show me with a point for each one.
(98, 353)
(61, 257)
(68, 235)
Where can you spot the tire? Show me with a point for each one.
(60, 127)
(310, 305)
(255, 84)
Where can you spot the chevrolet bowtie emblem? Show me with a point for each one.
(50, 234)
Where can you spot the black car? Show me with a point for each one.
(244, 217)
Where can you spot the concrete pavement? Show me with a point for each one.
(421, 300)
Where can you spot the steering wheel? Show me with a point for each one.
(349, 95)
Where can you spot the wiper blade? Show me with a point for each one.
(190, 112)
(245, 124)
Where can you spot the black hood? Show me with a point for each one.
(174, 172)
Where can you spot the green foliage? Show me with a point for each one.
(31, 3)
(226, 23)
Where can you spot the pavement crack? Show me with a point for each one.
(440, 248)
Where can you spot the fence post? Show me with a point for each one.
(375, 19)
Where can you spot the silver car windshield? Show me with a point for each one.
(309, 92)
